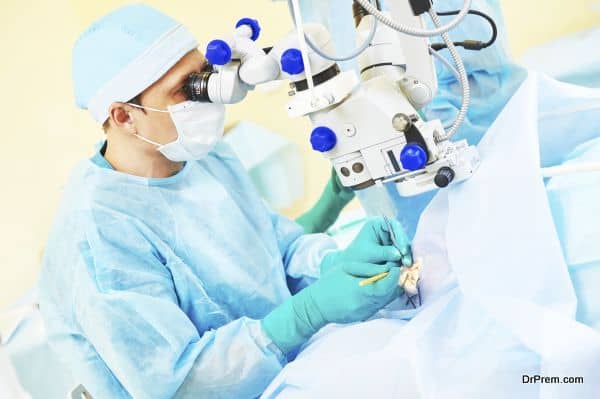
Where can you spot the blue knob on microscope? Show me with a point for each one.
(323, 139)
(253, 24)
(291, 61)
(218, 52)
(413, 157)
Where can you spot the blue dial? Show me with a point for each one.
(413, 157)
(291, 61)
(218, 52)
(323, 139)
(253, 24)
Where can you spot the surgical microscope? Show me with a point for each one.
(368, 124)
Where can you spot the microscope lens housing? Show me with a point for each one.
(196, 87)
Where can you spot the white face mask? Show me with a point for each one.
(199, 127)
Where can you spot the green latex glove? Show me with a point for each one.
(327, 209)
(374, 244)
(336, 297)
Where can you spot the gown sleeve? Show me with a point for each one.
(301, 253)
(131, 315)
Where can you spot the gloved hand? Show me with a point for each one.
(336, 297)
(327, 209)
(374, 244)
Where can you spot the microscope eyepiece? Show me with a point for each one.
(196, 87)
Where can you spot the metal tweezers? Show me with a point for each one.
(417, 296)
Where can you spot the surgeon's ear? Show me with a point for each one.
(121, 116)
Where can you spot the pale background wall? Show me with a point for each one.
(44, 135)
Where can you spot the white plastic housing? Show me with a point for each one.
(318, 35)
(420, 63)
(225, 87)
(368, 144)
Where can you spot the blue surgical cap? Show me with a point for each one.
(123, 53)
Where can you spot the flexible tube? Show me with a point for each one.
(303, 47)
(358, 51)
(447, 64)
(338, 58)
(463, 79)
(384, 19)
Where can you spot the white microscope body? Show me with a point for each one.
(370, 127)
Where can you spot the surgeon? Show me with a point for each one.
(165, 274)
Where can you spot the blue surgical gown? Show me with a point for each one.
(154, 288)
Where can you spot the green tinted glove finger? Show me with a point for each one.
(369, 254)
(389, 285)
(379, 231)
(376, 230)
(326, 210)
(374, 244)
(341, 299)
(344, 194)
(364, 270)
(402, 241)
(378, 254)
(385, 289)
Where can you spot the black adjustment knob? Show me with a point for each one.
(444, 177)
